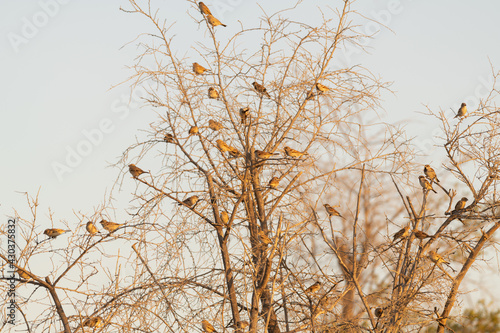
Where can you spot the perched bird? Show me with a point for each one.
(261, 89)
(322, 88)
(421, 235)
(223, 147)
(244, 112)
(213, 93)
(274, 183)
(191, 201)
(22, 274)
(204, 9)
(332, 211)
(264, 237)
(235, 153)
(93, 322)
(214, 125)
(379, 312)
(293, 153)
(169, 138)
(53, 233)
(91, 228)
(207, 327)
(436, 258)
(425, 184)
(224, 216)
(403, 233)
(110, 226)
(430, 173)
(135, 171)
(462, 111)
(264, 154)
(460, 204)
(198, 69)
(314, 288)
(193, 130)
(213, 21)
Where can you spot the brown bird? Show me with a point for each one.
(430, 173)
(460, 204)
(261, 89)
(23, 274)
(322, 88)
(293, 153)
(91, 228)
(193, 130)
(214, 125)
(235, 153)
(93, 322)
(224, 216)
(403, 233)
(421, 235)
(314, 288)
(53, 233)
(425, 184)
(191, 201)
(244, 113)
(204, 9)
(207, 327)
(213, 21)
(135, 171)
(332, 211)
(213, 93)
(223, 147)
(263, 154)
(436, 258)
(274, 183)
(198, 69)
(264, 237)
(169, 138)
(110, 226)
(462, 111)
(379, 312)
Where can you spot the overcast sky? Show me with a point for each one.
(60, 59)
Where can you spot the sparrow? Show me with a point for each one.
(274, 183)
(430, 173)
(403, 233)
(436, 258)
(314, 288)
(244, 112)
(462, 111)
(379, 312)
(425, 184)
(421, 235)
(198, 69)
(53, 233)
(214, 125)
(460, 204)
(235, 153)
(169, 138)
(22, 274)
(110, 226)
(321, 88)
(91, 228)
(213, 93)
(204, 9)
(191, 201)
(135, 171)
(261, 89)
(264, 237)
(223, 147)
(332, 211)
(193, 130)
(93, 322)
(224, 217)
(293, 153)
(264, 154)
(213, 21)
(207, 327)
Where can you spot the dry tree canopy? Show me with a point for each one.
(270, 196)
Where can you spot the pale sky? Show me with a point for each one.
(59, 59)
